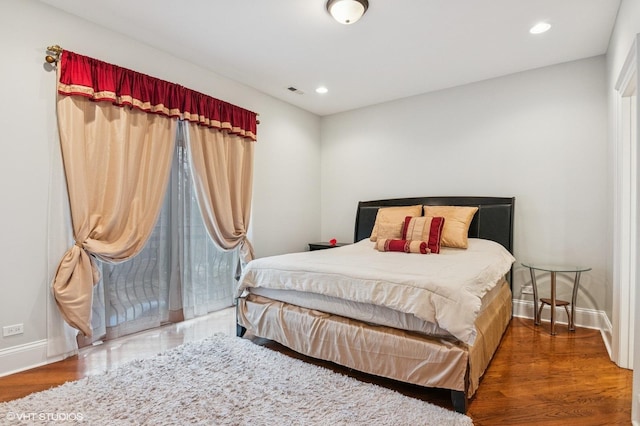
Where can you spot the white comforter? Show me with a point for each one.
(444, 288)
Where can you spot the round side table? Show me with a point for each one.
(553, 302)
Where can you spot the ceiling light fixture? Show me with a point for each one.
(347, 11)
(540, 27)
(322, 90)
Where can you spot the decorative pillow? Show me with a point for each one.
(406, 246)
(428, 229)
(456, 223)
(393, 215)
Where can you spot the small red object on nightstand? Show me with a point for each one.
(333, 241)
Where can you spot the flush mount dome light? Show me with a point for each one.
(347, 11)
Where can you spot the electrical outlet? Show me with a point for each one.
(526, 289)
(11, 330)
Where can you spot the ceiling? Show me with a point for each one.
(399, 48)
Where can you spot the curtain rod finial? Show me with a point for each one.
(56, 50)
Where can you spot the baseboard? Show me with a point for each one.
(607, 334)
(587, 318)
(24, 357)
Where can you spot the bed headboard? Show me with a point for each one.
(493, 221)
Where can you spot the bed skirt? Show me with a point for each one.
(383, 351)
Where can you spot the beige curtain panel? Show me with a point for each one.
(117, 163)
(223, 175)
(117, 133)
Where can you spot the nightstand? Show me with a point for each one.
(325, 245)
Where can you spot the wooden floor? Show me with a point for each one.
(534, 379)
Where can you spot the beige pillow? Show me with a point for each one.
(390, 230)
(393, 215)
(456, 223)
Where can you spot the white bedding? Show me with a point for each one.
(445, 289)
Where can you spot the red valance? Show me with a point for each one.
(100, 81)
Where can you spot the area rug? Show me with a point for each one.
(223, 380)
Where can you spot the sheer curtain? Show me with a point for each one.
(207, 271)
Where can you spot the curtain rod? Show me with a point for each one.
(54, 56)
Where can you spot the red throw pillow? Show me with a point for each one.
(406, 246)
(424, 228)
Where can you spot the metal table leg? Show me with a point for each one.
(574, 296)
(553, 303)
(534, 285)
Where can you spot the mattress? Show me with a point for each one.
(366, 312)
(445, 289)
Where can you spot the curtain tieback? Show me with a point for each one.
(79, 245)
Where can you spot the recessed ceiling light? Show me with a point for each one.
(540, 27)
(322, 90)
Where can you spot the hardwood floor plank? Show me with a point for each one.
(565, 379)
(534, 379)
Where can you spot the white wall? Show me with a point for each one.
(538, 135)
(626, 29)
(286, 165)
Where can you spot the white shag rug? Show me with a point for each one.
(223, 380)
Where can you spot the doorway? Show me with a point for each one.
(626, 208)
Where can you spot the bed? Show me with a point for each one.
(433, 320)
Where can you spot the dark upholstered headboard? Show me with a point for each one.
(493, 221)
